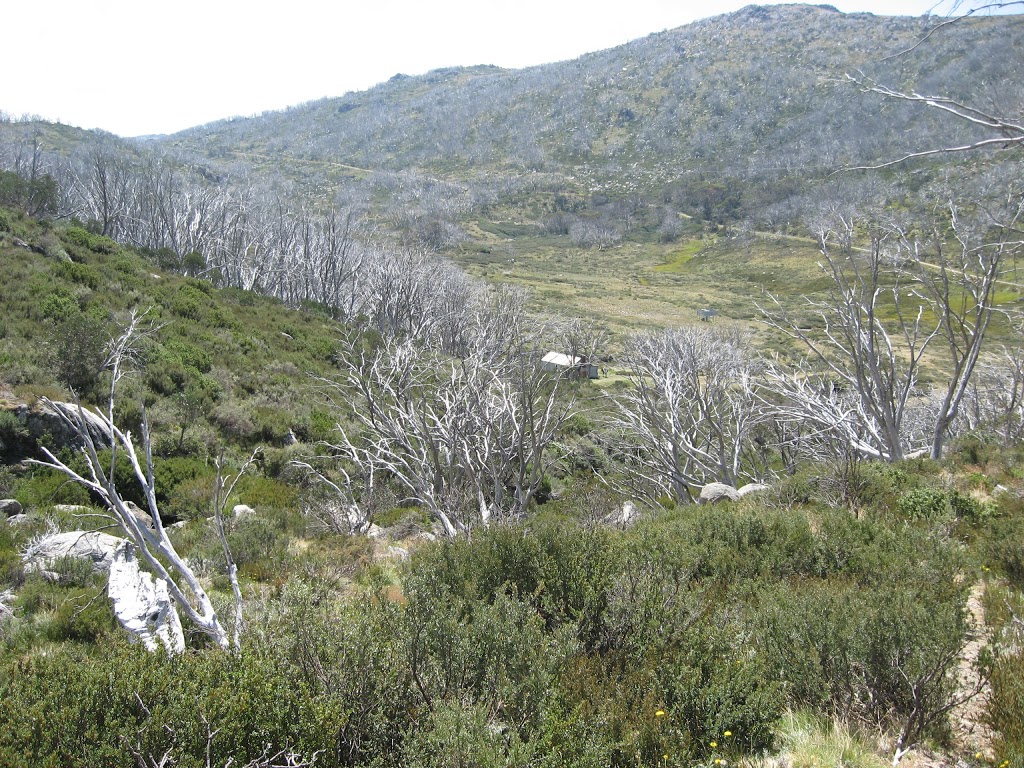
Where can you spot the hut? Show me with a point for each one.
(573, 367)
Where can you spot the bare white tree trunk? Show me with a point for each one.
(153, 544)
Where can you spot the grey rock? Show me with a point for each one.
(241, 511)
(622, 516)
(750, 488)
(50, 420)
(712, 493)
(139, 513)
(10, 507)
(73, 509)
(398, 553)
(93, 546)
(17, 519)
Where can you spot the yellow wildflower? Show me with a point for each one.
(714, 743)
(727, 734)
(660, 713)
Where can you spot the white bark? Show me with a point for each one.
(467, 440)
(143, 605)
(153, 544)
(687, 417)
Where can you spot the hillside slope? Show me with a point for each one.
(759, 93)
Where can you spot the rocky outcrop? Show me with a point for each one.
(97, 548)
(73, 509)
(143, 604)
(621, 516)
(10, 507)
(45, 422)
(750, 488)
(712, 493)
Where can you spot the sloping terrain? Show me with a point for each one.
(757, 94)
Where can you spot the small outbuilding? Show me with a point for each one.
(573, 367)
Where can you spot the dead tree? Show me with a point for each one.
(890, 301)
(958, 285)
(863, 341)
(150, 538)
(466, 439)
(687, 417)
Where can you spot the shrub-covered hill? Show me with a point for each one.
(224, 365)
(757, 96)
(726, 118)
(224, 372)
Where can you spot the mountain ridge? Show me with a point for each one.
(697, 97)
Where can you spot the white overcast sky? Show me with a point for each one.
(135, 67)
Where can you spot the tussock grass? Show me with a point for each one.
(807, 740)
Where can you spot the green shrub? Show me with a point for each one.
(77, 236)
(578, 424)
(251, 540)
(11, 573)
(319, 425)
(46, 487)
(78, 352)
(712, 685)
(82, 274)
(59, 306)
(970, 509)
(867, 652)
(493, 653)
(923, 504)
(189, 303)
(564, 570)
(190, 355)
(83, 615)
(74, 709)
(604, 713)
(191, 498)
(166, 375)
(457, 734)
(1003, 548)
(266, 493)
(14, 435)
(349, 658)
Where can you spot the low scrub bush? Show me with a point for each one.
(923, 504)
(1003, 548)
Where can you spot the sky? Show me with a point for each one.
(139, 67)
